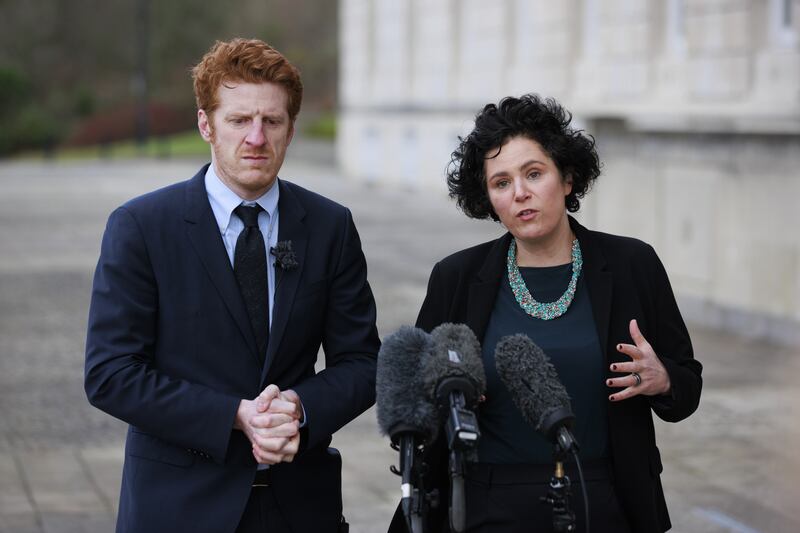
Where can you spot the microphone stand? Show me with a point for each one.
(415, 501)
(558, 498)
(462, 437)
(559, 493)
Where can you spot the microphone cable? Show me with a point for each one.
(583, 489)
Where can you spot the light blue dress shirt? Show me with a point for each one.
(224, 201)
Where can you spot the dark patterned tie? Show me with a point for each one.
(250, 268)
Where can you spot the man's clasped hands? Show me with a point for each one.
(272, 424)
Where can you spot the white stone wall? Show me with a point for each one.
(695, 104)
(721, 213)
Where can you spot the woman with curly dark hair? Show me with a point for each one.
(600, 306)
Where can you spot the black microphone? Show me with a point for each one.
(405, 412)
(455, 378)
(536, 390)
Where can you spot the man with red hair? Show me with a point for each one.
(210, 302)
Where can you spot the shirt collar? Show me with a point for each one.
(224, 201)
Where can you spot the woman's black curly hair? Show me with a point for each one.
(542, 120)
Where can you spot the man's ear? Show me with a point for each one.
(204, 125)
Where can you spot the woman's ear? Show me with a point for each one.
(567, 184)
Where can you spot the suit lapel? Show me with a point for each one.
(203, 233)
(291, 228)
(483, 290)
(598, 280)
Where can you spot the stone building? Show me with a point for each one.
(695, 105)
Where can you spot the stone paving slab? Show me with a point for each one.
(22, 523)
(59, 483)
(103, 466)
(76, 523)
(14, 495)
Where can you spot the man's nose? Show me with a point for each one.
(255, 136)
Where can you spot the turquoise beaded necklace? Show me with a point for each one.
(543, 311)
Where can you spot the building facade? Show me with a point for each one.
(695, 105)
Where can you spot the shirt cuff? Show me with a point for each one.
(305, 418)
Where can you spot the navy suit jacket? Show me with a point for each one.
(171, 352)
(625, 280)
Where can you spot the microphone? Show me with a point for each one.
(405, 412)
(455, 378)
(536, 390)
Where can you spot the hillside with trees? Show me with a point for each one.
(78, 72)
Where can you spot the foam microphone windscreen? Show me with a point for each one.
(531, 379)
(402, 402)
(456, 354)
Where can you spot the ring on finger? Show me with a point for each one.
(637, 378)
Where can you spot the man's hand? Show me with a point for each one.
(282, 404)
(271, 423)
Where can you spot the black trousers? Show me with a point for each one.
(506, 499)
(262, 514)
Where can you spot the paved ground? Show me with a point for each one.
(732, 467)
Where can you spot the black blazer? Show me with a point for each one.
(171, 352)
(625, 280)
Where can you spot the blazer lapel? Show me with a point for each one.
(598, 280)
(291, 228)
(203, 233)
(483, 291)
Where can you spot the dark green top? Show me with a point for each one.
(570, 341)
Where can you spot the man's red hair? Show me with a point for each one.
(248, 61)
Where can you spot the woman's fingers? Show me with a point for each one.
(644, 374)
